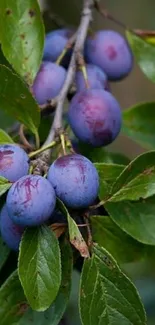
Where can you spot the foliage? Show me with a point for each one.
(119, 229)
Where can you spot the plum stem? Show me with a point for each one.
(42, 149)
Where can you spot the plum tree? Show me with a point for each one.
(31, 200)
(10, 232)
(75, 180)
(48, 82)
(55, 42)
(110, 51)
(96, 78)
(14, 162)
(95, 117)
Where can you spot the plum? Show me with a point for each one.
(75, 180)
(111, 52)
(96, 78)
(95, 117)
(31, 201)
(48, 82)
(10, 232)
(14, 162)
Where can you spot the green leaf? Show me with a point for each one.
(135, 218)
(108, 235)
(40, 267)
(144, 54)
(100, 155)
(4, 185)
(107, 174)
(22, 36)
(107, 296)
(5, 138)
(53, 315)
(75, 236)
(12, 301)
(137, 180)
(139, 124)
(17, 101)
(4, 252)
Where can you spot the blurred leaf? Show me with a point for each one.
(144, 54)
(62, 12)
(5, 138)
(4, 252)
(40, 267)
(137, 180)
(13, 303)
(22, 36)
(75, 236)
(4, 185)
(139, 124)
(17, 101)
(53, 315)
(135, 218)
(107, 296)
(107, 174)
(108, 235)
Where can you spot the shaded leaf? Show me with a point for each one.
(75, 236)
(144, 54)
(40, 267)
(135, 218)
(107, 296)
(139, 124)
(13, 303)
(107, 175)
(17, 101)
(100, 155)
(53, 315)
(22, 36)
(5, 138)
(108, 235)
(4, 185)
(4, 252)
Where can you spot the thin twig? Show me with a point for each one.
(104, 12)
(23, 138)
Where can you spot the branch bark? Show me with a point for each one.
(86, 18)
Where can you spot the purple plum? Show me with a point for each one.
(14, 162)
(55, 42)
(95, 117)
(48, 82)
(75, 180)
(31, 201)
(96, 78)
(10, 232)
(111, 52)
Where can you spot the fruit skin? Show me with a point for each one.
(31, 201)
(95, 117)
(55, 42)
(96, 78)
(75, 180)
(14, 162)
(111, 52)
(48, 82)
(10, 232)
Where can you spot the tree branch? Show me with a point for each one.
(78, 48)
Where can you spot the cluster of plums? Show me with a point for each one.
(94, 114)
(31, 199)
